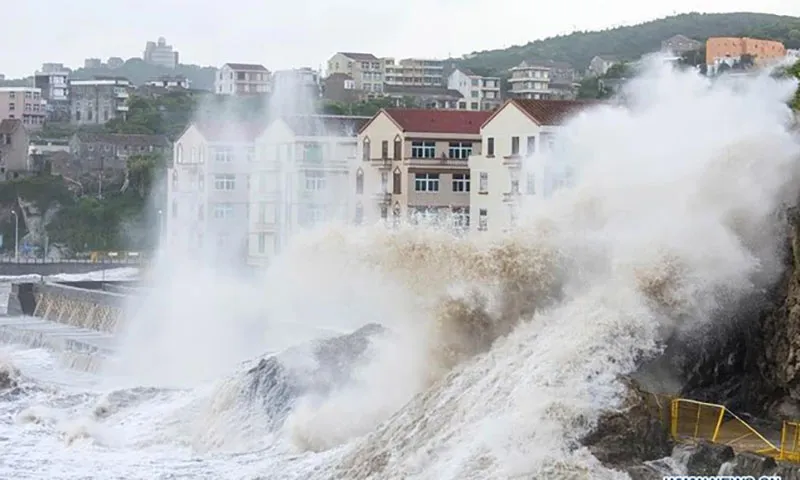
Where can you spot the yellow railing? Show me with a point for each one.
(691, 420)
(790, 442)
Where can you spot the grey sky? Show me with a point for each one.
(282, 34)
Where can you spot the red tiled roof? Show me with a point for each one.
(230, 131)
(552, 112)
(438, 121)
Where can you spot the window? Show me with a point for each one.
(530, 184)
(365, 150)
(174, 209)
(315, 181)
(483, 182)
(250, 154)
(359, 182)
(474, 106)
(398, 149)
(223, 154)
(223, 210)
(514, 145)
(384, 212)
(312, 152)
(225, 182)
(547, 141)
(423, 149)
(316, 214)
(384, 182)
(461, 218)
(426, 182)
(174, 179)
(359, 214)
(262, 242)
(490, 147)
(460, 150)
(531, 147)
(262, 213)
(514, 185)
(397, 179)
(483, 220)
(385, 149)
(461, 182)
(201, 180)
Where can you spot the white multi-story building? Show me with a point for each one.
(480, 93)
(515, 162)
(159, 53)
(530, 80)
(242, 79)
(304, 175)
(208, 190)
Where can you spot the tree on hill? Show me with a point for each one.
(795, 71)
(139, 72)
(630, 43)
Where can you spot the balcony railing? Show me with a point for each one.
(383, 197)
(435, 162)
(514, 161)
(511, 196)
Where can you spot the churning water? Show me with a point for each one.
(493, 355)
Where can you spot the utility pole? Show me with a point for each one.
(16, 235)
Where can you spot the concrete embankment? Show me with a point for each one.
(76, 320)
(91, 305)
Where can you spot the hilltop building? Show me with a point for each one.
(159, 53)
(478, 92)
(14, 141)
(23, 103)
(242, 79)
(365, 69)
(99, 100)
(680, 44)
(730, 50)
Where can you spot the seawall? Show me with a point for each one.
(56, 268)
(90, 305)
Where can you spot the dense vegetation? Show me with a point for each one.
(630, 43)
(795, 71)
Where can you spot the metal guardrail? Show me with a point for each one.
(41, 261)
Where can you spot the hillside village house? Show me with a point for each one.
(514, 164)
(14, 142)
(415, 163)
(242, 79)
(480, 93)
(97, 153)
(208, 189)
(304, 175)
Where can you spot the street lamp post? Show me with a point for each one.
(16, 235)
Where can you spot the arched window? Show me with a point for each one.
(365, 153)
(179, 153)
(174, 179)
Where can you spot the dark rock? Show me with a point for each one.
(753, 464)
(9, 376)
(644, 472)
(786, 471)
(277, 381)
(707, 458)
(632, 436)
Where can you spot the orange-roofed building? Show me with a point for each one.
(729, 49)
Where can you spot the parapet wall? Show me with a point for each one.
(88, 306)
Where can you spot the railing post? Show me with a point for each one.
(674, 419)
(783, 441)
(697, 422)
(719, 424)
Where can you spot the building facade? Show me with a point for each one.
(365, 69)
(99, 100)
(530, 80)
(480, 93)
(414, 166)
(55, 92)
(14, 142)
(304, 176)
(730, 49)
(413, 72)
(208, 190)
(516, 163)
(23, 103)
(242, 79)
(599, 65)
(159, 53)
(680, 44)
(340, 87)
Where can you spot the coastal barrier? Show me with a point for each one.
(90, 305)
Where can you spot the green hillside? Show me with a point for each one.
(629, 43)
(139, 72)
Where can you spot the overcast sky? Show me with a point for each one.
(295, 33)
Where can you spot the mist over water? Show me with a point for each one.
(500, 350)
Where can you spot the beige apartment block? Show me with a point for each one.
(517, 164)
(414, 164)
(23, 103)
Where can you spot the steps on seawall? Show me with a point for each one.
(37, 333)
